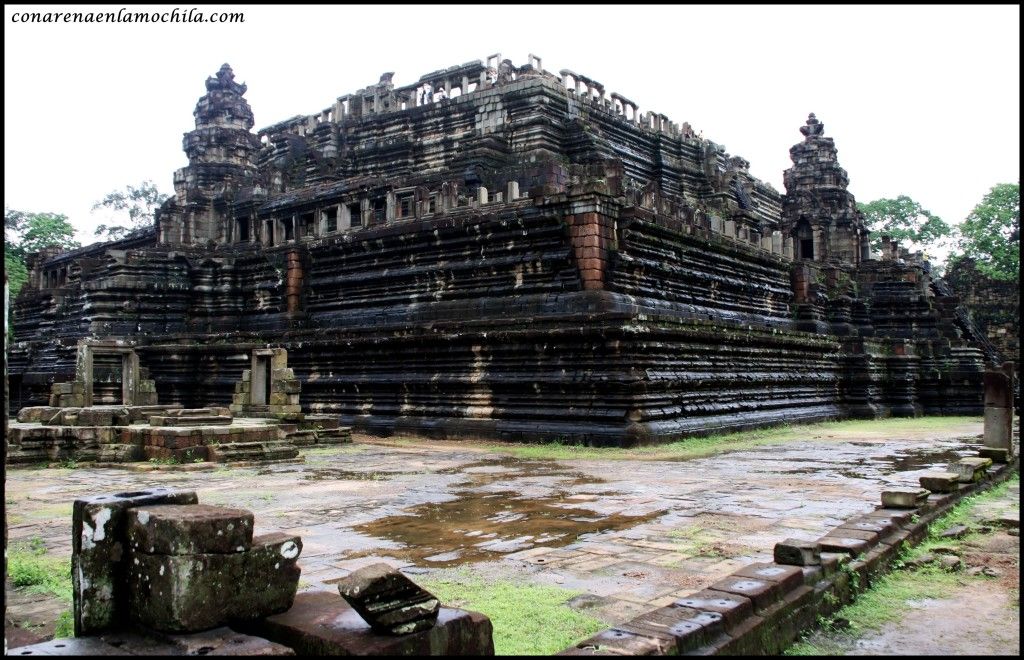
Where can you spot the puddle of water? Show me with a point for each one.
(480, 523)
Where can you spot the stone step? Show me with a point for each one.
(189, 420)
(301, 438)
(252, 451)
(337, 436)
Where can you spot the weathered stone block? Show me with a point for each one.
(322, 623)
(940, 482)
(761, 592)
(688, 628)
(796, 552)
(851, 546)
(995, 454)
(787, 577)
(187, 593)
(998, 428)
(732, 607)
(38, 414)
(217, 642)
(904, 498)
(179, 529)
(98, 534)
(388, 600)
(95, 417)
(970, 470)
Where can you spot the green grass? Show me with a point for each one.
(690, 448)
(527, 619)
(30, 569)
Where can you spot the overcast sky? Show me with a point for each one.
(922, 101)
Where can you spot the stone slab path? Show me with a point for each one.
(632, 534)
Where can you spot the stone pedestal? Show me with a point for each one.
(999, 408)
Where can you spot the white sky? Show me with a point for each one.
(923, 101)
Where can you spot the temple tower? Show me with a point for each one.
(221, 154)
(818, 212)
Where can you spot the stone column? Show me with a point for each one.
(293, 282)
(999, 408)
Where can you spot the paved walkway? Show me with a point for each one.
(632, 534)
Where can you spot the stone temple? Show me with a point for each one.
(498, 252)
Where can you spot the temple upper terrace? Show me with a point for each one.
(471, 78)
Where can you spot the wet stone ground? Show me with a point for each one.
(631, 534)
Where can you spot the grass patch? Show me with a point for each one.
(528, 619)
(691, 448)
(65, 625)
(29, 569)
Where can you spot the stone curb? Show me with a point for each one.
(763, 608)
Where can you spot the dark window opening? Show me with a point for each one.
(331, 220)
(380, 206)
(243, 231)
(807, 248)
(405, 207)
(432, 204)
(269, 230)
(289, 229)
(355, 213)
(306, 224)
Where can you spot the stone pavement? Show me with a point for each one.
(632, 534)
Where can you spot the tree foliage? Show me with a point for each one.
(991, 232)
(906, 221)
(138, 202)
(28, 232)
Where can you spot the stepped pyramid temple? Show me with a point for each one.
(493, 251)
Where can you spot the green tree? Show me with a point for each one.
(139, 202)
(991, 232)
(27, 232)
(906, 221)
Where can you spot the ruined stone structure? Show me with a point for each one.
(156, 573)
(502, 252)
(993, 305)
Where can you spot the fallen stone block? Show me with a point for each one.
(388, 600)
(940, 482)
(951, 563)
(904, 498)
(955, 532)
(98, 535)
(180, 529)
(926, 558)
(189, 593)
(995, 454)
(322, 623)
(970, 470)
(796, 552)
